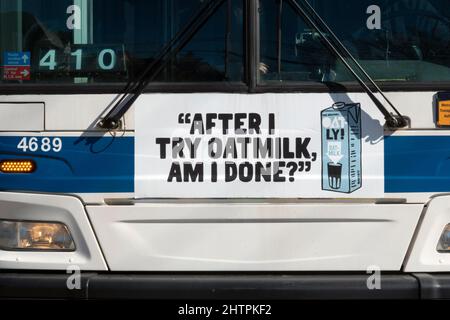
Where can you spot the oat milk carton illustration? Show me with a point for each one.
(341, 148)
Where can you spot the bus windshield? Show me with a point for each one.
(88, 42)
(98, 41)
(394, 40)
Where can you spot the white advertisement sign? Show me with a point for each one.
(258, 146)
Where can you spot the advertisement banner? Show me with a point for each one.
(258, 146)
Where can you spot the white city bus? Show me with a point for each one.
(224, 148)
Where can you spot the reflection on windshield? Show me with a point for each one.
(402, 40)
(86, 41)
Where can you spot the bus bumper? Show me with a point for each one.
(98, 286)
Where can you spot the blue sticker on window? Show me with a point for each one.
(18, 58)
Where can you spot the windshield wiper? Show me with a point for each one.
(393, 120)
(135, 88)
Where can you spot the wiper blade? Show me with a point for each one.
(393, 120)
(135, 88)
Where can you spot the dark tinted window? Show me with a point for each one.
(98, 41)
(395, 40)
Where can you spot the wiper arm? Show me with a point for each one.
(135, 88)
(393, 120)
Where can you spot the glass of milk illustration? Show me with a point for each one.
(341, 148)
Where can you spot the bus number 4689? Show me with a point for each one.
(40, 144)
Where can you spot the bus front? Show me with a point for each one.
(224, 149)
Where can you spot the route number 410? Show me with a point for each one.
(40, 144)
(106, 60)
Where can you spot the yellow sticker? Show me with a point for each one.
(444, 113)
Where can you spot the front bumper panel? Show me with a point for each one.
(215, 235)
(210, 287)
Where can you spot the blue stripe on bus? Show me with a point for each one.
(417, 164)
(106, 165)
(84, 165)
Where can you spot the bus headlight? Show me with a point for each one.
(34, 236)
(444, 241)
